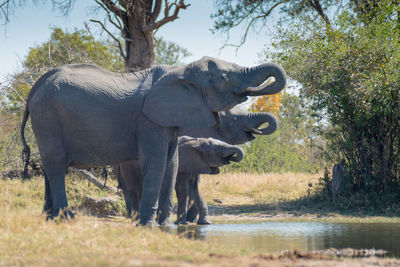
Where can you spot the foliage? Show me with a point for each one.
(267, 103)
(256, 14)
(169, 53)
(294, 147)
(350, 74)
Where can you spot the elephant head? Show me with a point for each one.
(189, 96)
(206, 155)
(239, 127)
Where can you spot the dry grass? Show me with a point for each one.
(26, 238)
(249, 188)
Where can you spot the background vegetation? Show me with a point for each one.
(349, 71)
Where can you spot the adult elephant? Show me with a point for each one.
(83, 115)
(196, 156)
(237, 127)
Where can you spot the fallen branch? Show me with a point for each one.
(95, 181)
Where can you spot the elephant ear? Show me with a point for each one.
(177, 103)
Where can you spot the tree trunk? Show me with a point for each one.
(140, 46)
(137, 21)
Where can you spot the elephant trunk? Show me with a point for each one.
(264, 79)
(261, 118)
(234, 153)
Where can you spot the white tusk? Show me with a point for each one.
(256, 131)
(267, 82)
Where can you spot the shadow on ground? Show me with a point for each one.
(309, 206)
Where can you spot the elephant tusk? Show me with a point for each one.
(256, 131)
(262, 86)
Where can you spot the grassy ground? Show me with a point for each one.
(289, 197)
(26, 238)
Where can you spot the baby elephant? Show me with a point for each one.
(196, 156)
(200, 156)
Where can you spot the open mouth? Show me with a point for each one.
(250, 135)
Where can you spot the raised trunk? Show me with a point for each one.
(263, 117)
(234, 153)
(256, 76)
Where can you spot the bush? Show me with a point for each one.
(350, 73)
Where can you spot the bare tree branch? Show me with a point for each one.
(157, 9)
(317, 6)
(119, 25)
(167, 18)
(251, 23)
(114, 8)
(93, 179)
(11, 88)
(5, 9)
(121, 51)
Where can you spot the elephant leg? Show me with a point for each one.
(135, 195)
(56, 189)
(48, 202)
(122, 185)
(182, 194)
(55, 163)
(167, 189)
(193, 211)
(200, 203)
(153, 153)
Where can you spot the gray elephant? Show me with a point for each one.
(83, 115)
(196, 155)
(237, 127)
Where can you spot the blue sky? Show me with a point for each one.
(31, 25)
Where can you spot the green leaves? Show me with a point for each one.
(350, 73)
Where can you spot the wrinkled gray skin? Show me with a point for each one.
(237, 127)
(196, 156)
(83, 115)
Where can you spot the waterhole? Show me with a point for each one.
(275, 237)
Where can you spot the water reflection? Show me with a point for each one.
(273, 237)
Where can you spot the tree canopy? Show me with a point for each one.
(257, 13)
(350, 74)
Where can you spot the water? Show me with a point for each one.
(271, 237)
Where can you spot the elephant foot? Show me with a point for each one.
(164, 221)
(192, 214)
(204, 221)
(191, 219)
(148, 223)
(181, 221)
(62, 215)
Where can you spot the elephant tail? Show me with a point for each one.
(26, 152)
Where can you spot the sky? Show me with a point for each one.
(31, 25)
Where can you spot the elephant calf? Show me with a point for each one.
(196, 156)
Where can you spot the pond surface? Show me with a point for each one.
(271, 237)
